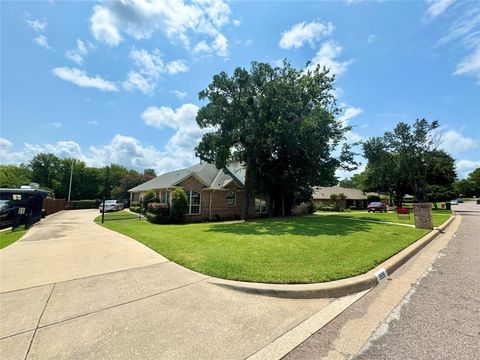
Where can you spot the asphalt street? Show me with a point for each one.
(439, 318)
(442, 318)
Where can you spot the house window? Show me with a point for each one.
(232, 198)
(164, 197)
(260, 206)
(193, 202)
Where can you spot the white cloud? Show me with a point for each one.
(236, 22)
(438, 7)
(37, 25)
(179, 94)
(77, 54)
(80, 78)
(342, 174)
(202, 47)
(42, 41)
(464, 167)
(464, 34)
(470, 65)
(220, 45)
(150, 63)
(349, 113)
(454, 142)
(137, 81)
(327, 56)
(302, 33)
(248, 42)
(177, 66)
(55, 124)
(93, 122)
(371, 38)
(125, 150)
(175, 18)
(182, 119)
(165, 116)
(5, 144)
(150, 68)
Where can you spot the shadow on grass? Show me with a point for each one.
(303, 226)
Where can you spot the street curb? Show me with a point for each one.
(338, 288)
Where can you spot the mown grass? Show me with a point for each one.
(8, 237)
(280, 250)
(439, 216)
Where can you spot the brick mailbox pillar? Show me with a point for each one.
(423, 215)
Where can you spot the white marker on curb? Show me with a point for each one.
(381, 275)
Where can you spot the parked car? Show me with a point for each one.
(111, 205)
(7, 213)
(454, 202)
(377, 206)
(460, 200)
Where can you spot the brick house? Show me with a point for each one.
(213, 194)
(321, 195)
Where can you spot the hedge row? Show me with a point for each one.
(158, 219)
(135, 209)
(84, 204)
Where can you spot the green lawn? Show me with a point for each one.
(280, 250)
(9, 237)
(439, 216)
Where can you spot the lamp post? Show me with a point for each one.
(70, 186)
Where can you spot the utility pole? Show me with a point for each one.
(70, 186)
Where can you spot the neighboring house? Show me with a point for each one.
(354, 197)
(213, 194)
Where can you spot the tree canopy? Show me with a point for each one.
(279, 122)
(406, 160)
(53, 173)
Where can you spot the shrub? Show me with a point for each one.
(157, 219)
(353, 207)
(135, 203)
(311, 208)
(135, 209)
(179, 206)
(159, 209)
(373, 198)
(148, 198)
(84, 204)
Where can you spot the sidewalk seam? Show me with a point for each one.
(121, 304)
(38, 322)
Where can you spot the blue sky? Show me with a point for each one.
(118, 81)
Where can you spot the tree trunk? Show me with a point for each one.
(283, 202)
(249, 182)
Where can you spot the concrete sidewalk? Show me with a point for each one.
(74, 290)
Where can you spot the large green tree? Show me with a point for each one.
(469, 186)
(399, 161)
(279, 122)
(45, 169)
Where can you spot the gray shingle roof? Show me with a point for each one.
(207, 173)
(323, 193)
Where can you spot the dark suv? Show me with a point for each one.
(377, 206)
(7, 212)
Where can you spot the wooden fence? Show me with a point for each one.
(52, 206)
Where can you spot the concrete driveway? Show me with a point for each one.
(71, 289)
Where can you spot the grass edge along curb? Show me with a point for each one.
(337, 288)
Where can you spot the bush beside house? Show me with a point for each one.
(179, 206)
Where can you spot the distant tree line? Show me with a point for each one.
(53, 173)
